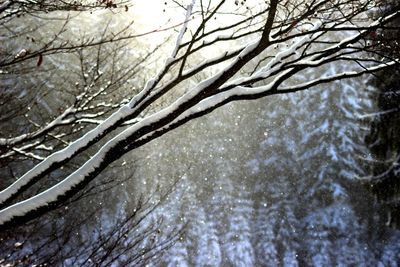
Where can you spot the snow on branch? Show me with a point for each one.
(305, 43)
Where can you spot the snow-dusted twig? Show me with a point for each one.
(207, 95)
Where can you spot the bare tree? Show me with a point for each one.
(45, 105)
(98, 72)
(136, 238)
(256, 51)
(16, 8)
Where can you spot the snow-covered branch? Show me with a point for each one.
(291, 39)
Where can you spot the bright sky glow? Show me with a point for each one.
(153, 15)
(156, 15)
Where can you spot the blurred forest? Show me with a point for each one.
(303, 177)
